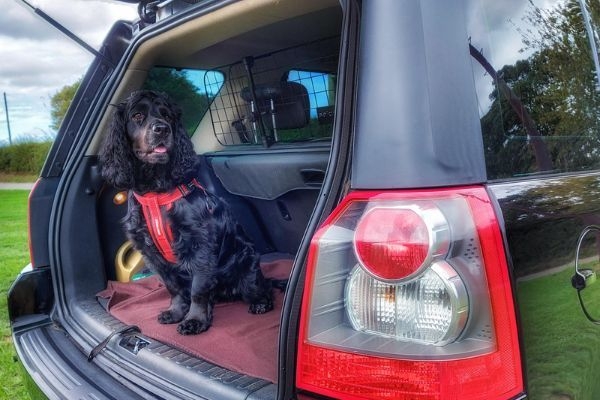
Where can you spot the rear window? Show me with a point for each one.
(320, 88)
(187, 87)
(534, 65)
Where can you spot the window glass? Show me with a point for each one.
(285, 96)
(320, 87)
(537, 86)
(188, 89)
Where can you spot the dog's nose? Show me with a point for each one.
(159, 128)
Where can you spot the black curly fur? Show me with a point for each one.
(123, 170)
(215, 259)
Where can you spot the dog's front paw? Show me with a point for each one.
(168, 317)
(260, 308)
(192, 327)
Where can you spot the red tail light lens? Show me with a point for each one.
(392, 244)
(395, 243)
(408, 296)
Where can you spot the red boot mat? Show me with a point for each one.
(237, 340)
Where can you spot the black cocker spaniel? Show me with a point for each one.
(187, 235)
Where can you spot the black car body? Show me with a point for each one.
(439, 205)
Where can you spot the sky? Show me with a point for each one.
(36, 60)
(495, 29)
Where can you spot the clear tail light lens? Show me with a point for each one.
(432, 308)
(408, 296)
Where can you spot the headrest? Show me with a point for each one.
(292, 108)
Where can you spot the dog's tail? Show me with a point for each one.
(280, 284)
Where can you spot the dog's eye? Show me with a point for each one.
(166, 115)
(138, 117)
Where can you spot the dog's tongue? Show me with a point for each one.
(160, 149)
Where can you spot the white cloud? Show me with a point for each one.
(37, 60)
(496, 29)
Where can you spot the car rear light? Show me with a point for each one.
(408, 296)
(431, 308)
(394, 243)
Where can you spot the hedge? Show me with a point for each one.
(25, 158)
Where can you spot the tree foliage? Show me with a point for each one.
(24, 157)
(60, 102)
(557, 86)
(171, 81)
(177, 85)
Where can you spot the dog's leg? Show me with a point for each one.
(176, 311)
(180, 302)
(256, 290)
(262, 304)
(200, 315)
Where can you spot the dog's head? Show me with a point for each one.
(151, 122)
(147, 147)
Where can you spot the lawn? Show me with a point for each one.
(14, 254)
(561, 345)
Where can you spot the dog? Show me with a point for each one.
(186, 235)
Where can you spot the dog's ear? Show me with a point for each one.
(116, 156)
(184, 158)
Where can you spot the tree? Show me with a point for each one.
(60, 102)
(173, 82)
(177, 85)
(556, 85)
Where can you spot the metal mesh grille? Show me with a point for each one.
(284, 96)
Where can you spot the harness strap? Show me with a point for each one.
(159, 227)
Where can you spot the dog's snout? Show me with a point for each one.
(160, 128)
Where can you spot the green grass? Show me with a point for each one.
(562, 347)
(14, 254)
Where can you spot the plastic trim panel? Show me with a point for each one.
(61, 371)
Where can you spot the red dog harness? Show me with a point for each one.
(160, 230)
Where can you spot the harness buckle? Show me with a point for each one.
(189, 187)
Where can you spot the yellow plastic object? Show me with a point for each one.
(120, 198)
(128, 262)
